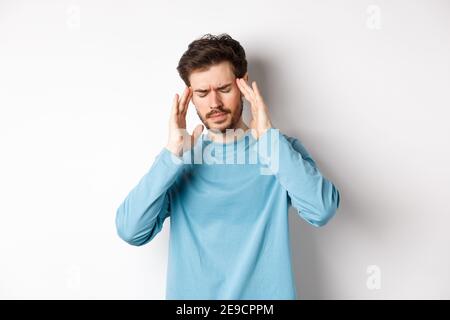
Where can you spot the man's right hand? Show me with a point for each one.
(179, 140)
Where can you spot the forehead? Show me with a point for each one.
(215, 76)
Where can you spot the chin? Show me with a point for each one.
(220, 126)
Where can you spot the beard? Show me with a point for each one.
(230, 123)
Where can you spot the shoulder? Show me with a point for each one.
(299, 146)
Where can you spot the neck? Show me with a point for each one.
(237, 132)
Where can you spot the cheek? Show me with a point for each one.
(231, 99)
(198, 103)
(200, 106)
(234, 101)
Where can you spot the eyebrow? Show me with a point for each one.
(205, 90)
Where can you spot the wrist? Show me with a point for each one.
(177, 151)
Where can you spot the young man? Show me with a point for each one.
(229, 234)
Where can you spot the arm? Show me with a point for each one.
(141, 215)
(314, 196)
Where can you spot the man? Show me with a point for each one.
(229, 234)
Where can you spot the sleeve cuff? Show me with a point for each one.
(170, 159)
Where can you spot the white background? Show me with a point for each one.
(85, 93)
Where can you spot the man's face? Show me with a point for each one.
(216, 97)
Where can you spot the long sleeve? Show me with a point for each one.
(141, 215)
(313, 195)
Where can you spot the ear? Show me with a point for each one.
(245, 77)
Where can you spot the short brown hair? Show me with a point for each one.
(210, 50)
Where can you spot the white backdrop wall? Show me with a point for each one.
(85, 93)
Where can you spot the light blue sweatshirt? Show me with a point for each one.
(228, 208)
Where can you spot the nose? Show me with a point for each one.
(215, 101)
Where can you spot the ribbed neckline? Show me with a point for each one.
(228, 151)
(237, 142)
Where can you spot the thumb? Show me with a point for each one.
(196, 133)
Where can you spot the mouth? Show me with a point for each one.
(218, 116)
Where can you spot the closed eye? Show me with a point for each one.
(224, 91)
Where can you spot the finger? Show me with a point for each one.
(248, 97)
(188, 100)
(242, 87)
(243, 90)
(175, 105)
(256, 90)
(184, 97)
(247, 88)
